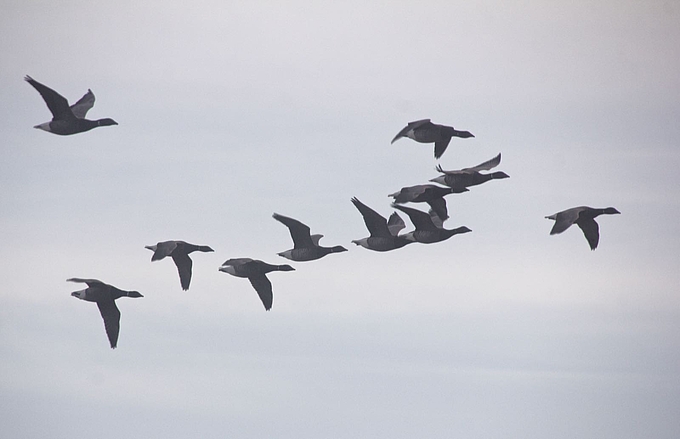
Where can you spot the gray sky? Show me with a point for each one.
(230, 112)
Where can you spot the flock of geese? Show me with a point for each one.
(384, 234)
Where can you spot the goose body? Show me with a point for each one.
(427, 193)
(67, 119)
(426, 230)
(179, 251)
(104, 296)
(584, 217)
(255, 270)
(384, 233)
(424, 131)
(305, 246)
(467, 177)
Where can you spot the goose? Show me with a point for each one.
(427, 231)
(584, 217)
(104, 296)
(179, 250)
(67, 120)
(305, 246)
(427, 193)
(255, 270)
(384, 233)
(424, 131)
(467, 177)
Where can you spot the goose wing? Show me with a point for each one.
(591, 231)
(184, 264)
(487, 165)
(564, 219)
(420, 220)
(162, 249)
(89, 282)
(438, 205)
(111, 316)
(436, 219)
(264, 289)
(80, 108)
(57, 104)
(395, 224)
(410, 126)
(237, 261)
(440, 146)
(375, 223)
(298, 231)
(410, 193)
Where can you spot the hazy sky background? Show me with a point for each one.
(229, 112)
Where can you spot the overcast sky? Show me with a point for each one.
(229, 112)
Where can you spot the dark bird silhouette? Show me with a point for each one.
(427, 231)
(584, 217)
(104, 296)
(424, 131)
(467, 177)
(427, 193)
(305, 246)
(179, 250)
(255, 270)
(67, 120)
(384, 233)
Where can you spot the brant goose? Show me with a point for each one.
(427, 193)
(255, 270)
(424, 131)
(427, 232)
(584, 217)
(179, 250)
(104, 296)
(384, 233)
(67, 120)
(467, 177)
(305, 246)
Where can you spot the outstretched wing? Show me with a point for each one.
(436, 220)
(440, 146)
(298, 231)
(487, 165)
(395, 224)
(264, 289)
(591, 230)
(564, 219)
(163, 249)
(410, 193)
(80, 108)
(111, 316)
(89, 282)
(438, 205)
(237, 261)
(57, 104)
(375, 223)
(184, 264)
(420, 220)
(410, 126)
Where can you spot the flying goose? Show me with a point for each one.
(427, 231)
(467, 177)
(584, 217)
(424, 131)
(179, 250)
(67, 120)
(384, 233)
(104, 296)
(305, 246)
(427, 193)
(255, 270)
